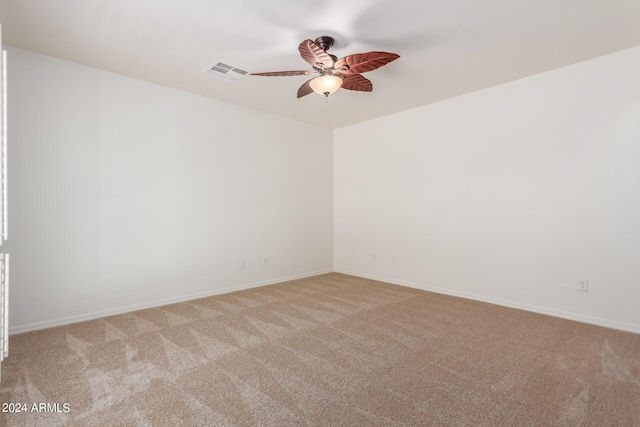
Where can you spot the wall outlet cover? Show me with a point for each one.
(583, 285)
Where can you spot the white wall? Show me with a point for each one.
(508, 195)
(125, 194)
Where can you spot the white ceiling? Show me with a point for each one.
(447, 47)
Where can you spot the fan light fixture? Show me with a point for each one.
(326, 84)
(333, 73)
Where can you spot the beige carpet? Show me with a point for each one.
(332, 350)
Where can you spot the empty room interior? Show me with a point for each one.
(201, 234)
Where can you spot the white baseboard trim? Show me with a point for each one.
(592, 320)
(152, 304)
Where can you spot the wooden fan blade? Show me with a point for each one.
(305, 89)
(363, 62)
(314, 55)
(285, 73)
(356, 82)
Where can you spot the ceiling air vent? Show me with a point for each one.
(227, 72)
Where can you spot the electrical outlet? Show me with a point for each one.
(242, 264)
(373, 257)
(583, 285)
(265, 261)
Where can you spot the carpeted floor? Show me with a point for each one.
(331, 350)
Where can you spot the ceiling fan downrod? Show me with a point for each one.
(325, 43)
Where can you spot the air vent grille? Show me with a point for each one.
(227, 72)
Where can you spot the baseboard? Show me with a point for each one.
(592, 320)
(152, 304)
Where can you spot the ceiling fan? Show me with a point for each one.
(334, 73)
